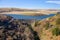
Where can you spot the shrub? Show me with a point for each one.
(47, 25)
(58, 21)
(56, 31)
(37, 23)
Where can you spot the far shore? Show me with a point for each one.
(24, 13)
(29, 13)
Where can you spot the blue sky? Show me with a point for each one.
(31, 4)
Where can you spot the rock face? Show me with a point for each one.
(13, 29)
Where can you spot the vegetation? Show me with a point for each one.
(37, 23)
(36, 37)
(56, 31)
(47, 25)
(58, 21)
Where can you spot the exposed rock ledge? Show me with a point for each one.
(13, 29)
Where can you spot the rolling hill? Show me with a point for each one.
(28, 11)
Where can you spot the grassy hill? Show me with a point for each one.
(49, 28)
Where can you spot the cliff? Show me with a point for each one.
(16, 29)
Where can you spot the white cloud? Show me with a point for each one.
(55, 2)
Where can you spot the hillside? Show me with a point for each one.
(28, 11)
(21, 29)
(15, 29)
(49, 28)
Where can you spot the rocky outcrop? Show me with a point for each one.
(16, 29)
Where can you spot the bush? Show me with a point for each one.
(56, 31)
(47, 25)
(58, 21)
(37, 23)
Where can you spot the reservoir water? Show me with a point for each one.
(16, 16)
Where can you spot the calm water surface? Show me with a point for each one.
(30, 17)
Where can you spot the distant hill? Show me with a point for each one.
(28, 11)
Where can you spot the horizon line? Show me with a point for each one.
(29, 8)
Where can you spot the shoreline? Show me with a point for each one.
(28, 13)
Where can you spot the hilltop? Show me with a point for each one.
(28, 11)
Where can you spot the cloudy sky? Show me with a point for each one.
(35, 4)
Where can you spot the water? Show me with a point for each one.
(16, 16)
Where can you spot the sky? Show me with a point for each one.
(30, 4)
